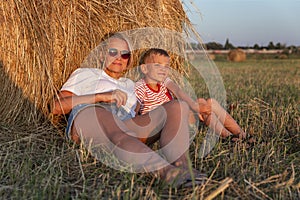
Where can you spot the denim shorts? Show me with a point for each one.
(120, 112)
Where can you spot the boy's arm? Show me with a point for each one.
(137, 108)
(180, 94)
(140, 94)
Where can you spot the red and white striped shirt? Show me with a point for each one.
(150, 99)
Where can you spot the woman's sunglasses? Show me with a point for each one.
(114, 52)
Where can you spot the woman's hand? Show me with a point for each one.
(117, 96)
(67, 100)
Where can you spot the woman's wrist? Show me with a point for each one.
(102, 97)
(98, 97)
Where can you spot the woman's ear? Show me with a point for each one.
(102, 55)
(102, 58)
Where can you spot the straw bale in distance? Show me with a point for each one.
(282, 56)
(236, 55)
(212, 56)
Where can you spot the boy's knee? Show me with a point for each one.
(211, 101)
(202, 101)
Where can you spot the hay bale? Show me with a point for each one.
(212, 56)
(236, 55)
(44, 41)
(282, 56)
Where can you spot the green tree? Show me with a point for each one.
(256, 46)
(214, 46)
(228, 45)
(280, 46)
(271, 45)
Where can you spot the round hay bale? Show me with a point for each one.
(236, 55)
(212, 56)
(44, 41)
(282, 56)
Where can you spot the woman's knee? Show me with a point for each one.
(90, 121)
(177, 106)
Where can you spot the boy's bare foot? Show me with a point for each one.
(242, 137)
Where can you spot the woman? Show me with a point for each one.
(101, 104)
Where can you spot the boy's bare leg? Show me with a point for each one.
(224, 117)
(213, 122)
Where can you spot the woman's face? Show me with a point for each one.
(115, 63)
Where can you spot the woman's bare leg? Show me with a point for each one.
(170, 121)
(100, 130)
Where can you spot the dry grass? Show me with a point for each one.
(36, 162)
(263, 95)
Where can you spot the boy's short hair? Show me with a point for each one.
(146, 54)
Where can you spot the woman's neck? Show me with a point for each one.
(113, 74)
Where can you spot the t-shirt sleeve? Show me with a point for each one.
(139, 91)
(75, 83)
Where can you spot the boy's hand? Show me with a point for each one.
(204, 107)
(201, 117)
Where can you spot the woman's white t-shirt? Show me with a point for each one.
(85, 81)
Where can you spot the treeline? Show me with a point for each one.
(228, 46)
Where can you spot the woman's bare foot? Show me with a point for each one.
(183, 178)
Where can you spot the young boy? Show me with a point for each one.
(156, 88)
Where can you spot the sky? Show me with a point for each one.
(246, 22)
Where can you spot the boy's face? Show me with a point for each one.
(156, 68)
